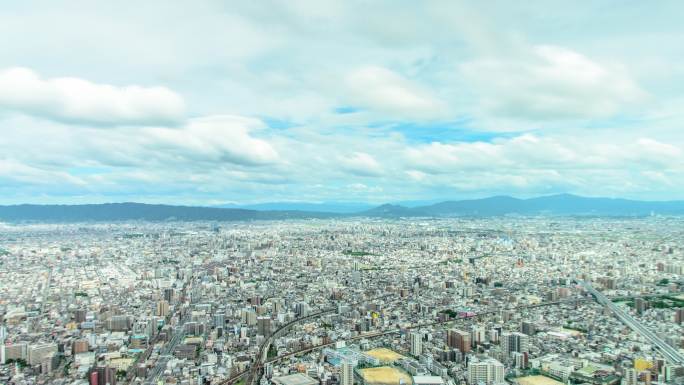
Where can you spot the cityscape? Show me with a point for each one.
(341, 192)
(426, 301)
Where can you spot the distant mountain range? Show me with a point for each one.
(558, 205)
(561, 204)
(328, 207)
(142, 211)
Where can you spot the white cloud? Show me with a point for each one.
(527, 152)
(15, 173)
(610, 118)
(549, 82)
(223, 138)
(387, 92)
(361, 164)
(76, 100)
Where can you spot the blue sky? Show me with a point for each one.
(213, 102)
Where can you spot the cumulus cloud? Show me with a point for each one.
(414, 95)
(387, 92)
(361, 164)
(203, 143)
(222, 138)
(533, 152)
(14, 173)
(550, 82)
(76, 100)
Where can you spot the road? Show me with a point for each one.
(670, 353)
(165, 354)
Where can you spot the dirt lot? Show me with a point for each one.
(385, 375)
(385, 355)
(537, 380)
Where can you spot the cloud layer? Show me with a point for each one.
(311, 101)
(79, 101)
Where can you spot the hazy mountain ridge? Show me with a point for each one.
(563, 204)
(142, 211)
(327, 207)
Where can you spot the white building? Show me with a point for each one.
(346, 373)
(488, 371)
(416, 344)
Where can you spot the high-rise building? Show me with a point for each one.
(494, 335)
(119, 323)
(477, 335)
(302, 309)
(162, 308)
(629, 377)
(13, 352)
(679, 315)
(168, 295)
(346, 373)
(640, 305)
(485, 370)
(416, 344)
(458, 339)
(264, 326)
(528, 328)
(79, 346)
(93, 378)
(102, 375)
(667, 373)
(219, 320)
(514, 342)
(38, 353)
(79, 315)
(249, 317)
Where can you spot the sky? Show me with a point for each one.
(216, 102)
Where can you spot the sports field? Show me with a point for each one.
(537, 380)
(385, 355)
(385, 375)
